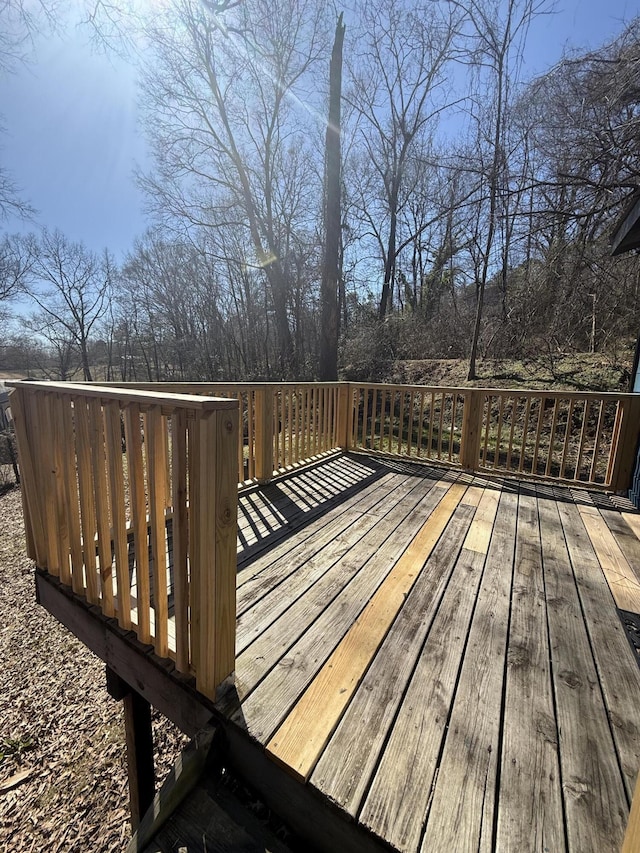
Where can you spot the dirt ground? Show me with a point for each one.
(63, 782)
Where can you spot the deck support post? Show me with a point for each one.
(471, 429)
(627, 447)
(264, 433)
(139, 739)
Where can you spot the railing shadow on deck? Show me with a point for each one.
(272, 512)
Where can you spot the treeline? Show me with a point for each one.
(476, 206)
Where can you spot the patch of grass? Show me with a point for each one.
(15, 747)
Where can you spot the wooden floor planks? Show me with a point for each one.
(443, 660)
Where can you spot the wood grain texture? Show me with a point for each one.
(87, 502)
(98, 462)
(297, 663)
(302, 736)
(530, 814)
(117, 502)
(616, 665)
(620, 576)
(462, 807)
(595, 801)
(139, 526)
(156, 467)
(346, 766)
(398, 797)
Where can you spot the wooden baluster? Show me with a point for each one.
(42, 415)
(135, 462)
(432, 408)
(57, 440)
(567, 435)
(487, 429)
(180, 530)
(290, 397)
(536, 446)
(596, 443)
(496, 457)
(515, 402)
(71, 494)
(454, 403)
(440, 425)
(251, 433)
(156, 466)
(525, 432)
(283, 430)
(552, 437)
(412, 401)
(374, 403)
(401, 393)
(308, 451)
(583, 433)
(87, 505)
(98, 460)
(240, 440)
(195, 540)
(117, 499)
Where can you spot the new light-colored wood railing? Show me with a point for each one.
(589, 438)
(130, 498)
(281, 424)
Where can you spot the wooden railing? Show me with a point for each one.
(572, 437)
(130, 498)
(281, 425)
(130, 494)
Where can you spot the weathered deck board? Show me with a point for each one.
(620, 682)
(442, 652)
(402, 785)
(348, 587)
(347, 764)
(494, 706)
(462, 810)
(594, 797)
(530, 816)
(301, 738)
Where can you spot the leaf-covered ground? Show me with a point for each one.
(63, 782)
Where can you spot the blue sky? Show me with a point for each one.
(72, 137)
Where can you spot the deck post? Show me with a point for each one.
(632, 835)
(471, 429)
(344, 399)
(627, 444)
(264, 433)
(139, 739)
(214, 548)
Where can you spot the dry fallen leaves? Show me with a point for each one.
(58, 724)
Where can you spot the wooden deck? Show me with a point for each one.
(427, 660)
(438, 656)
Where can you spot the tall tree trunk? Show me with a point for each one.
(331, 267)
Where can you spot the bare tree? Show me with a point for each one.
(333, 219)
(230, 118)
(398, 90)
(71, 286)
(497, 35)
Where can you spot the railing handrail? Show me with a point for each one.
(405, 386)
(176, 400)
